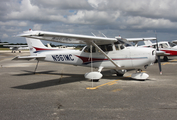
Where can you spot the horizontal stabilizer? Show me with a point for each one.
(28, 57)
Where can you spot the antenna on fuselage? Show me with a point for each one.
(103, 34)
(93, 34)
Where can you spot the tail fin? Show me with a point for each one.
(34, 45)
(148, 42)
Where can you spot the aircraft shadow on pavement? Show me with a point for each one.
(61, 80)
(52, 82)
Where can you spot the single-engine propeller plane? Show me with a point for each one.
(99, 52)
(166, 48)
(15, 48)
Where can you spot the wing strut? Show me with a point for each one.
(105, 54)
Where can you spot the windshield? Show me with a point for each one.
(124, 42)
(171, 44)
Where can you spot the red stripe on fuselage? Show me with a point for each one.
(40, 49)
(171, 52)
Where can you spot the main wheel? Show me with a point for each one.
(165, 58)
(120, 75)
(95, 80)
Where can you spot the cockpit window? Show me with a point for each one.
(163, 45)
(171, 44)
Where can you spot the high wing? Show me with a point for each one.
(67, 38)
(140, 39)
(76, 39)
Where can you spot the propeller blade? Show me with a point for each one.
(159, 63)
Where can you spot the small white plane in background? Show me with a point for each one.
(99, 52)
(15, 48)
(165, 48)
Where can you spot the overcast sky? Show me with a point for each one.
(128, 18)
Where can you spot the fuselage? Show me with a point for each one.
(126, 58)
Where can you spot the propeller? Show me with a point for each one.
(159, 63)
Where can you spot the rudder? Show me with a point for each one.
(33, 44)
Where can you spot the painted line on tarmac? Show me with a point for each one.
(171, 62)
(166, 63)
(109, 83)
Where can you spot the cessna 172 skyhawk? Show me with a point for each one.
(99, 52)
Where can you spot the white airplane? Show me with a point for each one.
(99, 52)
(165, 48)
(15, 48)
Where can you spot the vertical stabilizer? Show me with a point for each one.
(33, 44)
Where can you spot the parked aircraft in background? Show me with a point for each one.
(166, 48)
(99, 52)
(15, 48)
(174, 41)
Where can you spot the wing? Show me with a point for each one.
(140, 39)
(67, 38)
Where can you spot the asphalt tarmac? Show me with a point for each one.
(60, 92)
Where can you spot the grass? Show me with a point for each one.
(4, 49)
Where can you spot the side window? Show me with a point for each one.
(106, 48)
(160, 46)
(87, 50)
(154, 46)
(165, 45)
